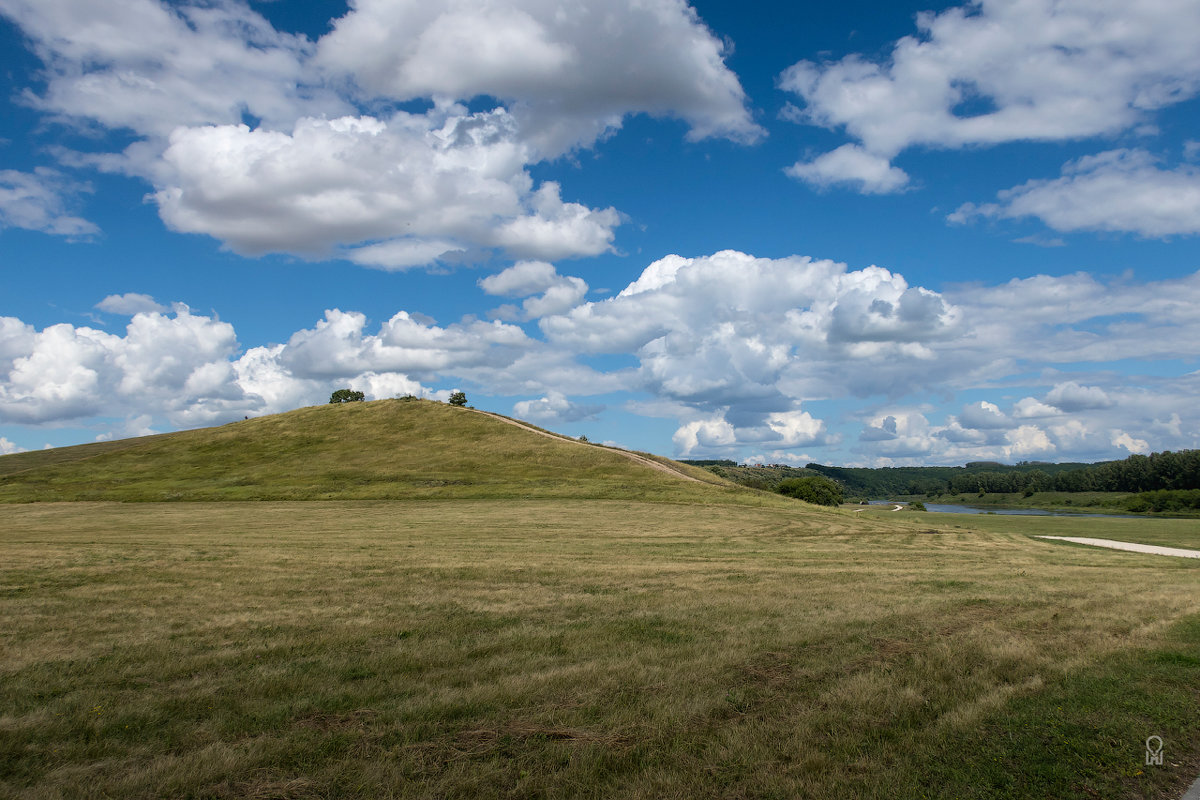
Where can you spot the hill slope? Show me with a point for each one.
(387, 449)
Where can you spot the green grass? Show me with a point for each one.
(1166, 532)
(583, 648)
(388, 449)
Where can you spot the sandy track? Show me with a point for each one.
(648, 462)
(1178, 552)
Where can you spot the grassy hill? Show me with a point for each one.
(387, 449)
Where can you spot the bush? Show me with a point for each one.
(457, 399)
(346, 396)
(917, 505)
(1164, 500)
(817, 490)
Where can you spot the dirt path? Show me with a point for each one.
(648, 462)
(1179, 552)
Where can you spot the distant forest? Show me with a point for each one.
(1158, 471)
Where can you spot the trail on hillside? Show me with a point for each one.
(648, 462)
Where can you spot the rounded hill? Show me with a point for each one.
(385, 449)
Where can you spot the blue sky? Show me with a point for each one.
(858, 233)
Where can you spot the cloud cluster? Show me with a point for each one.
(1118, 190)
(568, 75)
(995, 71)
(1069, 421)
(417, 187)
(271, 142)
(172, 365)
(743, 353)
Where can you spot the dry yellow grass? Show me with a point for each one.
(581, 649)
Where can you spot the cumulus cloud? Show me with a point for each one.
(984, 416)
(39, 201)
(129, 304)
(853, 166)
(1028, 440)
(270, 142)
(1040, 69)
(185, 368)
(899, 434)
(568, 76)
(555, 407)
(704, 436)
(7, 447)
(730, 329)
(558, 293)
(1070, 396)
(1119, 190)
(739, 351)
(162, 362)
(994, 71)
(1031, 408)
(1122, 439)
(425, 184)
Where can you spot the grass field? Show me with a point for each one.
(585, 648)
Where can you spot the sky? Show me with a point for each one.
(857, 233)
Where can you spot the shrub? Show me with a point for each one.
(346, 396)
(817, 490)
(917, 505)
(457, 399)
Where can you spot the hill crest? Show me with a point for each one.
(383, 449)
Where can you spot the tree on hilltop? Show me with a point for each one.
(346, 396)
(457, 399)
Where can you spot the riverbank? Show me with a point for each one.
(1120, 503)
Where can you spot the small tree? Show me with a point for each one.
(457, 399)
(346, 396)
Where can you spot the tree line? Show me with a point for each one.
(1165, 471)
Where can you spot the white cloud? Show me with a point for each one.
(1028, 440)
(129, 304)
(425, 184)
(261, 139)
(166, 364)
(150, 67)
(559, 293)
(737, 350)
(1070, 396)
(1119, 190)
(380, 386)
(704, 436)
(851, 165)
(898, 434)
(796, 428)
(996, 71)
(555, 407)
(984, 416)
(7, 447)
(568, 75)
(521, 279)
(1122, 439)
(39, 201)
(184, 368)
(1031, 408)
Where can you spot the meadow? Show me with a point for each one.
(586, 648)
